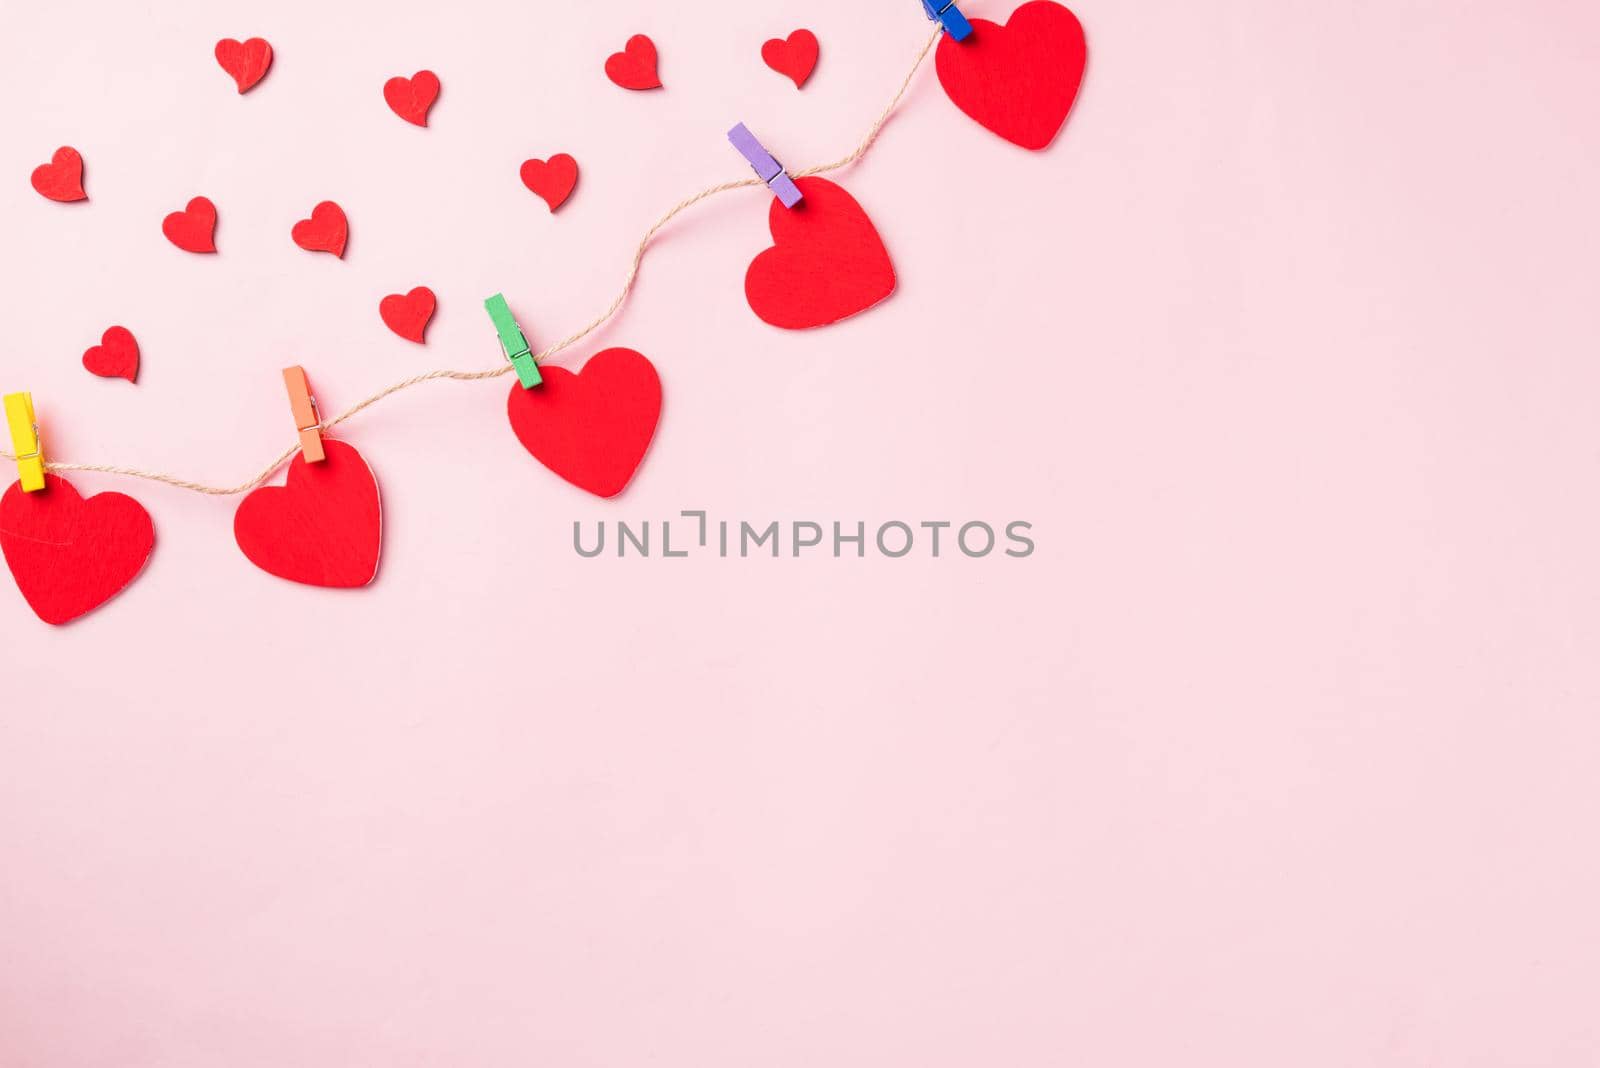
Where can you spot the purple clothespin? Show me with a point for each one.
(767, 169)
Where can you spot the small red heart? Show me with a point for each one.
(70, 555)
(635, 66)
(62, 178)
(553, 179)
(827, 261)
(410, 98)
(117, 355)
(325, 231)
(591, 428)
(795, 57)
(408, 315)
(193, 228)
(1018, 80)
(323, 527)
(245, 63)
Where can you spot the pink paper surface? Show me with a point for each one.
(1279, 751)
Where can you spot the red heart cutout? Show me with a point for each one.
(62, 178)
(827, 262)
(408, 315)
(325, 231)
(192, 228)
(246, 63)
(553, 179)
(323, 527)
(591, 428)
(117, 355)
(635, 66)
(795, 57)
(1020, 79)
(70, 555)
(410, 98)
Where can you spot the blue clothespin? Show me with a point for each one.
(946, 14)
(767, 169)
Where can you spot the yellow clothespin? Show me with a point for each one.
(25, 440)
(307, 420)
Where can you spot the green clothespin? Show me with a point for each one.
(512, 341)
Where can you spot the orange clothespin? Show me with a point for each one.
(307, 420)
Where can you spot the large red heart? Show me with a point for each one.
(246, 63)
(71, 555)
(795, 57)
(323, 527)
(62, 178)
(553, 180)
(325, 231)
(193, 228)
(635, 66)
(408, 315)
(117, 355)
(591, 428)
(410, 98)
(827, 261)
(1020, 79)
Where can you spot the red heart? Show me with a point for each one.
(70, 555)
(323, 527)
(117, 355)
(246, 63)
(62, 178)
(827, 261)
(635, 66)
(795, 57)
(192, 229)
(1020, 79)
(408, 315)
(410, 98)
(591, 428)
(554, 180)
(325, 231)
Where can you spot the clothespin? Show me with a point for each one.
(307, 419)
(515, 346)
(767, 169)
(25, 441)
(946, 14)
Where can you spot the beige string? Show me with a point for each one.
(506, 368)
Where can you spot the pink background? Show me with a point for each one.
(1281, 749)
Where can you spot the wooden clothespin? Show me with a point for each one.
(512, 341)
(25, 441)
(946, 14)
(767, 169)
(307, 419)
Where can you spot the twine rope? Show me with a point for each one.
(505, 368)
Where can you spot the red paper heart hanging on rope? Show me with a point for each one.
(411, 98)
(795, 57)
(193, 229)
(117, 355)
(1020, 79)
(552, 179)
(594, 427)
(323, 527)
(408, 315)
(62, 178)
(326, 230)
(635, 66)
(827, 262)
(247, 62)
(69, 555)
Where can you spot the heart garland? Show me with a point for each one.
(67, 554)
(591, 427)
(1018, 80)
(323, 527)
(827, 261)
